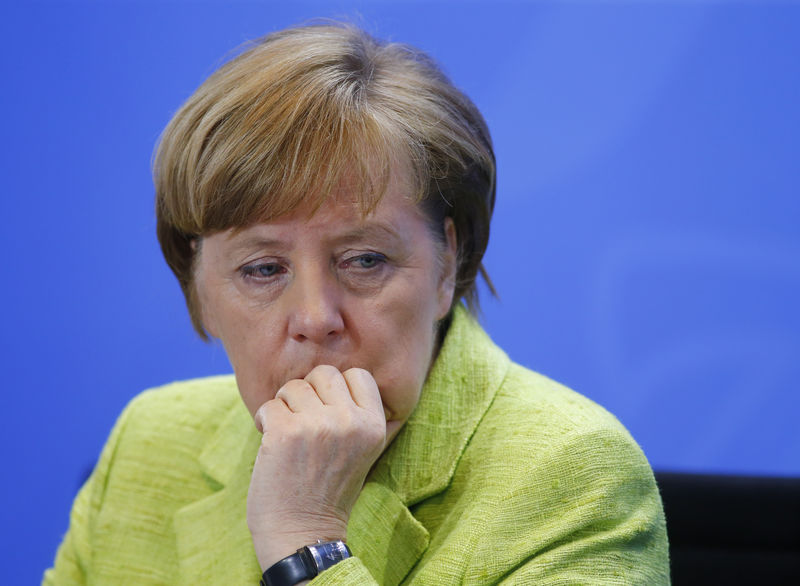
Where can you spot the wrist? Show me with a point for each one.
(271, 547)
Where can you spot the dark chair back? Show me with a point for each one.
(732, 529)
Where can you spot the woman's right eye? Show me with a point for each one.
(262, 271)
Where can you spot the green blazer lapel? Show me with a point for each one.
(460, 387)
(217, 524)
(423, 457)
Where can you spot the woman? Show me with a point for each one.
(324, 201)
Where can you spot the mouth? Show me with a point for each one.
(299, 370)
(301, 373)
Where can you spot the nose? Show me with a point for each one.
(315, 308)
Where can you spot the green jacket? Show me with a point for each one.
(500, 475)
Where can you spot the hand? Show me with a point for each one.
(321, 435)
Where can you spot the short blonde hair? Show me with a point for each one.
(303, 109)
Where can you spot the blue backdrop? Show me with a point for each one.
(646, 242)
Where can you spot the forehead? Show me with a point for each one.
(340, 217)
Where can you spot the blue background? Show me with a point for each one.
(646, 241)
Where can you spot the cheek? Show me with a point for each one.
(405, 346)
(246, 369)
(249, 343)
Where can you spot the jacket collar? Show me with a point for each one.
(216, 523)
(460, 387)
(422, 459)
(418, 464)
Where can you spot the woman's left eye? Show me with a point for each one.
(365, 261)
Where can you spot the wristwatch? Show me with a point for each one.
(306, 563)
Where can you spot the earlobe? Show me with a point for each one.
(447, 285)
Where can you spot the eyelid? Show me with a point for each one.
(354, 256)
(250, 269)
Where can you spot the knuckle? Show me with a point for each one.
(292, 387)
(295, 383)
(264, 412)
(357, 372)
(325, 370)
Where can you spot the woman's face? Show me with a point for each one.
(331, 288)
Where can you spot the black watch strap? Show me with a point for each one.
(305, 564)
(287, 572)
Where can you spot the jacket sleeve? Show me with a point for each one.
(349, 571)
(73, 559)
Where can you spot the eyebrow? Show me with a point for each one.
(378, 231)
(256, 242)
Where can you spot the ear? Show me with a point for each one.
(449, 264)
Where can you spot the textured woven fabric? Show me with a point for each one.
(499, 476)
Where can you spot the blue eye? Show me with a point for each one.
(367, 261)
(262, 271)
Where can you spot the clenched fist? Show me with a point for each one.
(321, 435)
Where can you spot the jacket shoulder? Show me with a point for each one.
(561, 483)
(167, 428)
(199, 397)
(533, 398)
(183, 408)
(121, 525)
(538, 427)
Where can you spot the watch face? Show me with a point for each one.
(327, 554)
